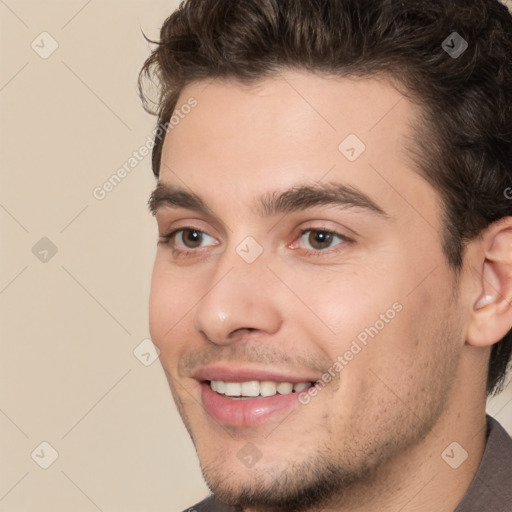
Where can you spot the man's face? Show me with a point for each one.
(355, 295)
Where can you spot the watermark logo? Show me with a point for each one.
(44, 455)
(454, 45)
(44, 250)
(146, 352)
(249, 455)
(249, 249)
(454, 455)
(352, 147)
(44, 45)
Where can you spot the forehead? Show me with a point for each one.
(289, 111)
(296, 127)
(363, 101)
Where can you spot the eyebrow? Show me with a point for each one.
(297, 198)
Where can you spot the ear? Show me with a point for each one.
(491, 315)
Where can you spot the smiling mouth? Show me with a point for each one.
(256, 389)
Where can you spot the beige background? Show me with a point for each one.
(70, 324)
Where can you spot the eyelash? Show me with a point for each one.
(168, 239)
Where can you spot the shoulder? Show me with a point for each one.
(491, 488)
(211, 504)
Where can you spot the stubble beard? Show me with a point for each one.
(341, 476)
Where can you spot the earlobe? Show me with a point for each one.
(491, 315)
(484, 301)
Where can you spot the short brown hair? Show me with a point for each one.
(463, 142)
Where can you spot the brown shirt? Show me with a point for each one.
(490, 490)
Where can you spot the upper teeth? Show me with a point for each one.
(257, 388)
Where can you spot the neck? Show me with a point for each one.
(432, 475)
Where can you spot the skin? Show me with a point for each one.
(372, 438)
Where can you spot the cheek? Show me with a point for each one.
(416, 346)
(171, 298)
(344, 304)
(371, 321)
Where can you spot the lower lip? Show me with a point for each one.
(244, 413)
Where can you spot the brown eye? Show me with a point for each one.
(191, 238)
(185, 241)
(320, 239)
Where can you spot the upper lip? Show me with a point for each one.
(245, 374)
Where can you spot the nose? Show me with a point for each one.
(240, 298)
